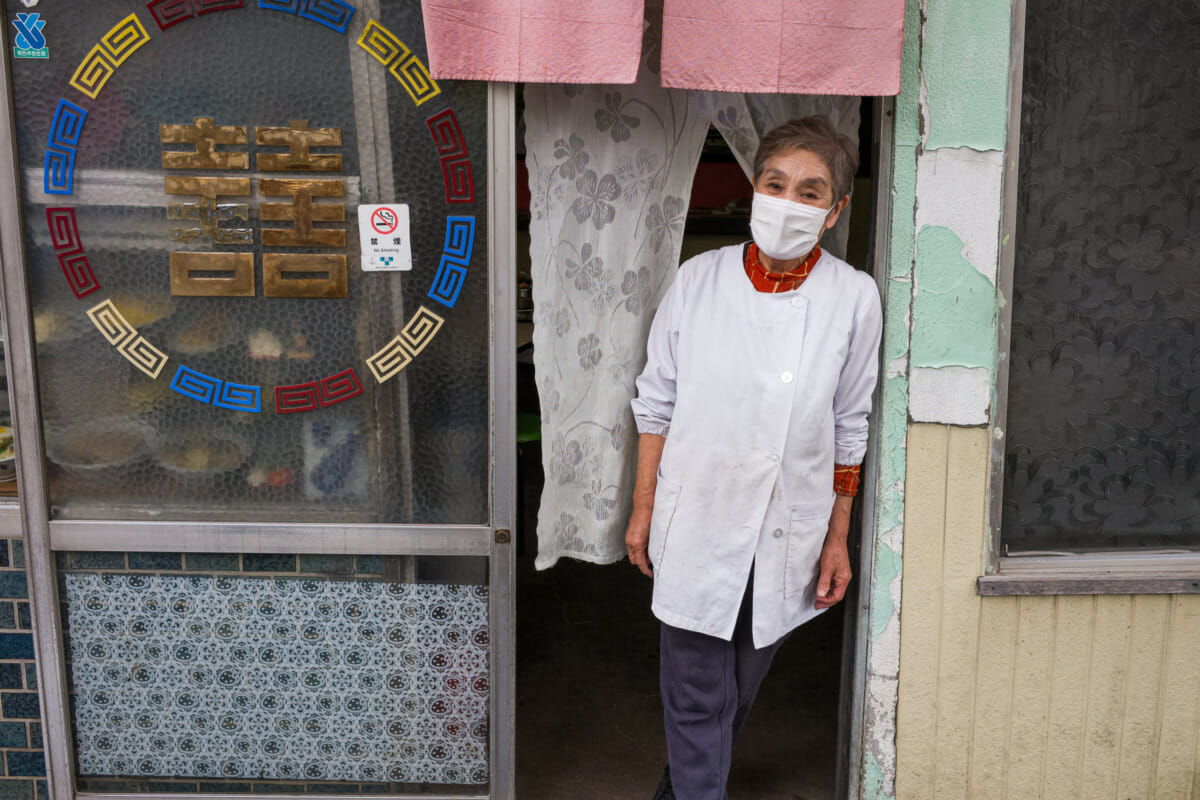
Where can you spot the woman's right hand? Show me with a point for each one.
(637, 542)
(637, 535)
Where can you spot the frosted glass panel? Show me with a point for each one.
(210, 341)
(1103, 445)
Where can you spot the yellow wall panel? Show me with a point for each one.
(917, 707)
(1139, 720)
(1027, 722)
(1106, 696)
(992, 685)
(1175, 765)
(964, 517)
(1067, 711)
(1050, 698)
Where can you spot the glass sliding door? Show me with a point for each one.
(261, 280)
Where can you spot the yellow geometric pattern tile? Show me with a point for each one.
(134, 347)
(402, 63)
(103, 59)
(406, 345)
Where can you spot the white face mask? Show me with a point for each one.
(785, 230)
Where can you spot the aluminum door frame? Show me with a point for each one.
(44, 537)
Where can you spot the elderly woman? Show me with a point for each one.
(752, 414)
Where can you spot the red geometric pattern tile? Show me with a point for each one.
(452, 150)
(64, 237)
(318, 394)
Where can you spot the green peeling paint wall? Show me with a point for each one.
(964, 63)
(939, 310)
(954, 311)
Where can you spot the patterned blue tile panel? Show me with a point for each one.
(236, 678)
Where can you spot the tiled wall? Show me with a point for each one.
(21, 756)
(22, 760)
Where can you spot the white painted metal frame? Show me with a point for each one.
(43, 537)
(22, 386)
(850, 767)
(502, 293)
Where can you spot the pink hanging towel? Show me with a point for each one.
(783, 46)
(539, 41)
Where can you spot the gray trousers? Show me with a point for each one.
(708, 686)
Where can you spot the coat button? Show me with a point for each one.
(778, 532)
(786, 377)
(797, 302)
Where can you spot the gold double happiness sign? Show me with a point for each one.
(232, 274)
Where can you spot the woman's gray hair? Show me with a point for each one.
(817, 135)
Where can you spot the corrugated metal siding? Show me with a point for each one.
(1058, 698)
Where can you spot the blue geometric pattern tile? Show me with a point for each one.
(65, 130)
(233, 678)
(456, 257)
(240, 397)
(333, 14)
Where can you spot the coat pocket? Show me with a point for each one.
(807, 527)
(666, 497)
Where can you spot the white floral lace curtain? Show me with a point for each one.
(610, 174)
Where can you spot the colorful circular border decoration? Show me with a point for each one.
(66, 129)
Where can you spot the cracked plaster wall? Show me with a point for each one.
(939, 346)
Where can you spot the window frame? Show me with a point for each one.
(1111, 572)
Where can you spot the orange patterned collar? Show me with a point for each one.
(772, 282)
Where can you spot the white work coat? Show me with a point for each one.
(758, 395)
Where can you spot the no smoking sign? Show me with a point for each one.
(383, 231)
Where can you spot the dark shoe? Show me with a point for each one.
(665, 792)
